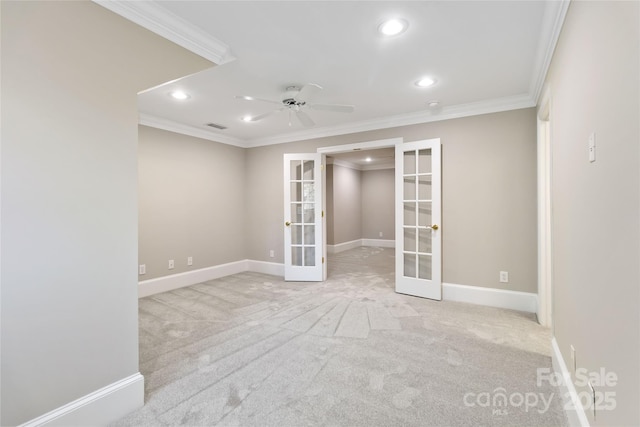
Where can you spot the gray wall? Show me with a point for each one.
(378, 204)
(346, 215)
(329, 204)
(69, 77)
(489, 195)
(594, 87)
(191, 202)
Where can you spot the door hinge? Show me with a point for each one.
(321, 167)
(323, 260)
(322, 214)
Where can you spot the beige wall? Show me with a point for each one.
(378, 204)
(594, 87)
(489, 195)
(191, 202)
(69, 77)
(364, 203)
(329, 204)
(347, 209)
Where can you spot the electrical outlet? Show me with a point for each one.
(573, 358)
(592, 147)
(142, 269)
(272, 253)
(190, 260)
(504, 277)
(171, 264)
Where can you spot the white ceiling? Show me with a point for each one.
(486, 56)
(380, 158)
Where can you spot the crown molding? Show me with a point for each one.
(453, 112)
(343, 163)
(362, 168)
(447, 113)
(155, 18)
(171, 126)
(552, 22)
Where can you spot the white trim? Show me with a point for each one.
(343, 163)
(264, 267)
(155, 18)
(545, 246)
(379, 166)
(379, 243)
(513, 300)
(521, 301)
(188, 278)
(171, 126)
(361, 168)
(552, 22)
(576, 416)
(367, 145)
(453, 112)
(345, 246)
(376, 243)
(100, 407)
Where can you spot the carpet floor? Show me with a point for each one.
(253, 350)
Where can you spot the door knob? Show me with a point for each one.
(287, 223)
(434, 227)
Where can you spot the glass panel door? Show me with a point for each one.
(418, 235)
(303, 217)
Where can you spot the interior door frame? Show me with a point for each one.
(346, 148)
(545, 229)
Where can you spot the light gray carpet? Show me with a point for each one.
(253, 350)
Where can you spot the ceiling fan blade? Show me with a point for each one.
(253, 98)
(333, 107)
(262, 116)
(304, 119)
(307, 92)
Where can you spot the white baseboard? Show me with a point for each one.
(341, 247)
(101, 407)
(521, 301)
(379, 243)
(188, 278)
(272, 268)
(575, 412)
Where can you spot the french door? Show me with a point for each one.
(418, 215)
(304, 217)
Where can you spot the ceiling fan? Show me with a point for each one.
(295, 99)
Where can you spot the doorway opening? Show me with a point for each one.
(360, 196)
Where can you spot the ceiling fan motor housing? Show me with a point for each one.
(289, 97)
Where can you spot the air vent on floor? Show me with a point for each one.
(217, 126)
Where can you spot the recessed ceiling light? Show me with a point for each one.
(247, 118)
(368, 159)
(433, 103)
(393, 27)
(425, 82)
(179, 95)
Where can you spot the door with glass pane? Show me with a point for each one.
(303, 217)
(418, 233)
